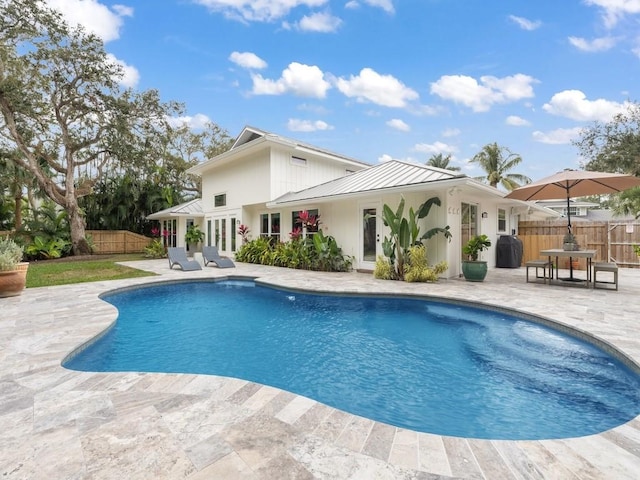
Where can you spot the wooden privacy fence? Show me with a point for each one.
(612, 240)
(118, 241)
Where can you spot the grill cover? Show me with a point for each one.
(508, 252)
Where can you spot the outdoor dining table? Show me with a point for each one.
(559, 252)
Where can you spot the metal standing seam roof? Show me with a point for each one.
(190, 208)
(386, 175)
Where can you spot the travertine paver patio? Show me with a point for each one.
(61, 424)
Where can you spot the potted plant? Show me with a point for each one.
(475, 270)
(13, 271)
(569, 243)
(193, 237)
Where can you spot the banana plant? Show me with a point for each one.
(404, 233)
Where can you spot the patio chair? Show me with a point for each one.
(178, 256)
(211, 255)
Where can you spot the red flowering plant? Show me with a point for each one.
(308, 221)
(295, 234)
(244, 231)
(155, 232)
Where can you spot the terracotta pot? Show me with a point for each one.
(13, 282)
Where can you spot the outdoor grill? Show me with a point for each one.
(508, 252)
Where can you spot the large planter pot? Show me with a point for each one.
(474, 271)
(12, 282)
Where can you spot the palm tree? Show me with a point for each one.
(440, 161)
(492, 160)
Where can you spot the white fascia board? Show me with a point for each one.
(227, 156)
(381, 191)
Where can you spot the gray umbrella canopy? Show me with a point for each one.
(574, 183)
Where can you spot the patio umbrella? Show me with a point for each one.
(574, 183)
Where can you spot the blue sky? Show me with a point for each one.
(381, 79)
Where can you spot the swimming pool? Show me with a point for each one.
(429, 366)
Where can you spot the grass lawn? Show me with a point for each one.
(85, 269)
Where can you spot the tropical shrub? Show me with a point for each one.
(155, 249)
(46, 249)
(405, 232)
(384, 269)
(316, 252)
(253, 251)
(418, 268)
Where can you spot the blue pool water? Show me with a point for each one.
(428, 366)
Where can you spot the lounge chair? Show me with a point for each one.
(211, 255)
(178, 256)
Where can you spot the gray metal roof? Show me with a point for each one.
(192, 208)
(385, 175)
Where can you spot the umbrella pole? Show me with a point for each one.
(569, 228)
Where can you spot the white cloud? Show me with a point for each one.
(298, 79)
(451, 132)
(596, 45)
(370, 86)
(322, 22)
(258, 10)
(516, 121)
(130, 77)
(435, 148)
(480, 96)
(386, 5)
(197, 122)
(573, 104)
(384, 158)
(398, 124)
(561, 136)
(95, 17)
(248, 60)
(524, 23)
(615, 10)
(297, 125)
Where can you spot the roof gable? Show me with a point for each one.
(253, 139)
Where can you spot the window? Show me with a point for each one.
(170, 232)
(209, 233)
(233, 234)
(502, 220)
(301, 162)
(572, 210)
(217, 233)
(468, 224)
(220, 200)
(223, 234)
(270, 226)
